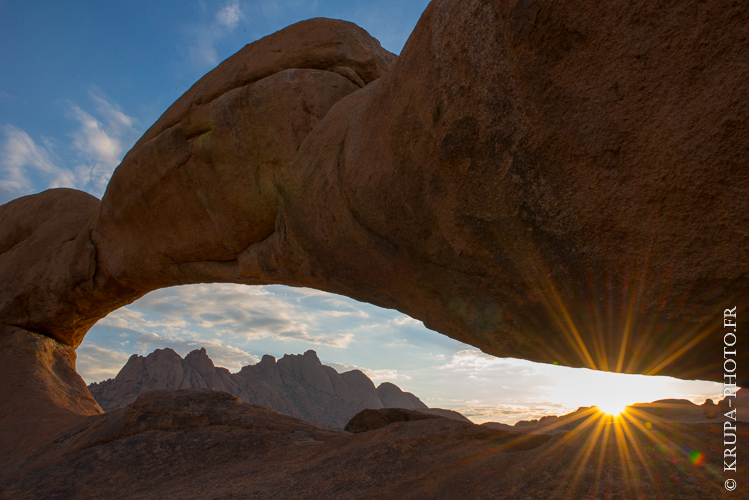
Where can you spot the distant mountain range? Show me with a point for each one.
(297, 385)
(664, 410)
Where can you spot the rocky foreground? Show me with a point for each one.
(204, 444)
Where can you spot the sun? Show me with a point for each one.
(612, 408)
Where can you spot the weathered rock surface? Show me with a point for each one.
(297, 385)
(198, 444)
(40, 395)
(537, 179)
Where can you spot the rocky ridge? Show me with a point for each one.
(297, 385)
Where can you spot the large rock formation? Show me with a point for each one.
(537, 182)
(537, 179)
(297, 385)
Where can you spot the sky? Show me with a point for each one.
(82, 80)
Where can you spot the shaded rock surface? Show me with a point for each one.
(198, 444)
(441, 412)
(369, 420)
(297, 385)
(536, 178)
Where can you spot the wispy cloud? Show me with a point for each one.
(506, 414)
(473, 362)
(229, 15)
(97, 147)
(241, 311)
(100, 142)
(9, 98)
(377, 376)
(204, 37)
(127, 319)
(338, 340)
(218, 316)
(23, 162)
(96, 363)
(406, 320)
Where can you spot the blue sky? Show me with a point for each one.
(81, 81)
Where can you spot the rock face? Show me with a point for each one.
(534, 181)
(297, 385)
(40, 395)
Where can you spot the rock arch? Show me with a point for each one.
(536, 181)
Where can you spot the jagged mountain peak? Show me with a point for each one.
(296, 384)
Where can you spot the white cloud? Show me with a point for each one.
(508, 414)
(240, 311)
(229, 16)
(377, 376)
(131, 320)
(98, 146)
(22, 160)
(340, 341)
(92, 140)
(406, 320)
(221, 317)
(385, 375)
(473, 362)
(204, 38)
(96, 363)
